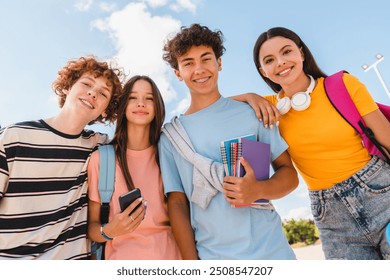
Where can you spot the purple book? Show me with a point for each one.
(258, 154)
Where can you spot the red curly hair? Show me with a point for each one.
(74, 69)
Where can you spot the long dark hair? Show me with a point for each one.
(310, 66)
(121, 136)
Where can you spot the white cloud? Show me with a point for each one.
(181, 106)
(299, 213)
(181, 5)
(107, 7)
(139, 38)
(157, 3)
(83, 5)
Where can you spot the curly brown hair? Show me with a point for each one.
(195, 35)
(74, 69)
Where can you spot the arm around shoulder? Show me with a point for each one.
(264, 109)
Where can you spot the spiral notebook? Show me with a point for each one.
(258, 154)
(231, 152)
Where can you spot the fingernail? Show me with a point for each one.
(266, 125)
(277, 123)
(271, 126)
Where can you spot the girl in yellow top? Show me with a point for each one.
(349, 189)
(143, 235)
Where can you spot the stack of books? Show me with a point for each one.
(256, 153)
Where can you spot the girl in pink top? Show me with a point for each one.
(143, 235)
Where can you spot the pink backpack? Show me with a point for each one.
(342, 101)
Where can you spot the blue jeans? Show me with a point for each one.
(352, 215)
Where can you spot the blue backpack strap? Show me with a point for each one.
(106, 179)
(106, 189)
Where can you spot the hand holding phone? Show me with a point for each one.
(126, 199)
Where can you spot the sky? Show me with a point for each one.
(38, 37)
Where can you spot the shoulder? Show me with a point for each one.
(231, 102)
(359, 94)
(354, 85)
(98, 137)
(86, 133)
(95, 155)
(351, 82)
(15, 130)
(25, 125)
(163, 141)
(349, 78)
(94, 159)
(230, 105)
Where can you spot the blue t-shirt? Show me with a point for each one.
(223, 232)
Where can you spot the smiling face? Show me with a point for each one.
(198, 68)
(140, 106)
(281, 60)
(89, 96)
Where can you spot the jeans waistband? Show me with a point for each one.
(363, 174)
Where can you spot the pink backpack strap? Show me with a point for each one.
(341, 100)
(385, 109)
(338, 95)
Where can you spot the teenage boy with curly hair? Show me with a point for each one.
(43, 166)
(204, 223)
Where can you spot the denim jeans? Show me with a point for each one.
(352, 215)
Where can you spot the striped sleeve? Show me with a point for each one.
(43, 179)
(3, 166)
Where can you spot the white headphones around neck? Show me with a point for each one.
(299, 101)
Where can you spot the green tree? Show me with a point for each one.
(300, 231)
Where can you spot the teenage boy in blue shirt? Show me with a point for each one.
(220, 231)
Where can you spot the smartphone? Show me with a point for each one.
(126, 199)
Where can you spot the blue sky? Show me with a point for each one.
(38, 37)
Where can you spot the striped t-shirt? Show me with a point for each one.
(43, 191)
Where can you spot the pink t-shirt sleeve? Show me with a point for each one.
(93, 177)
